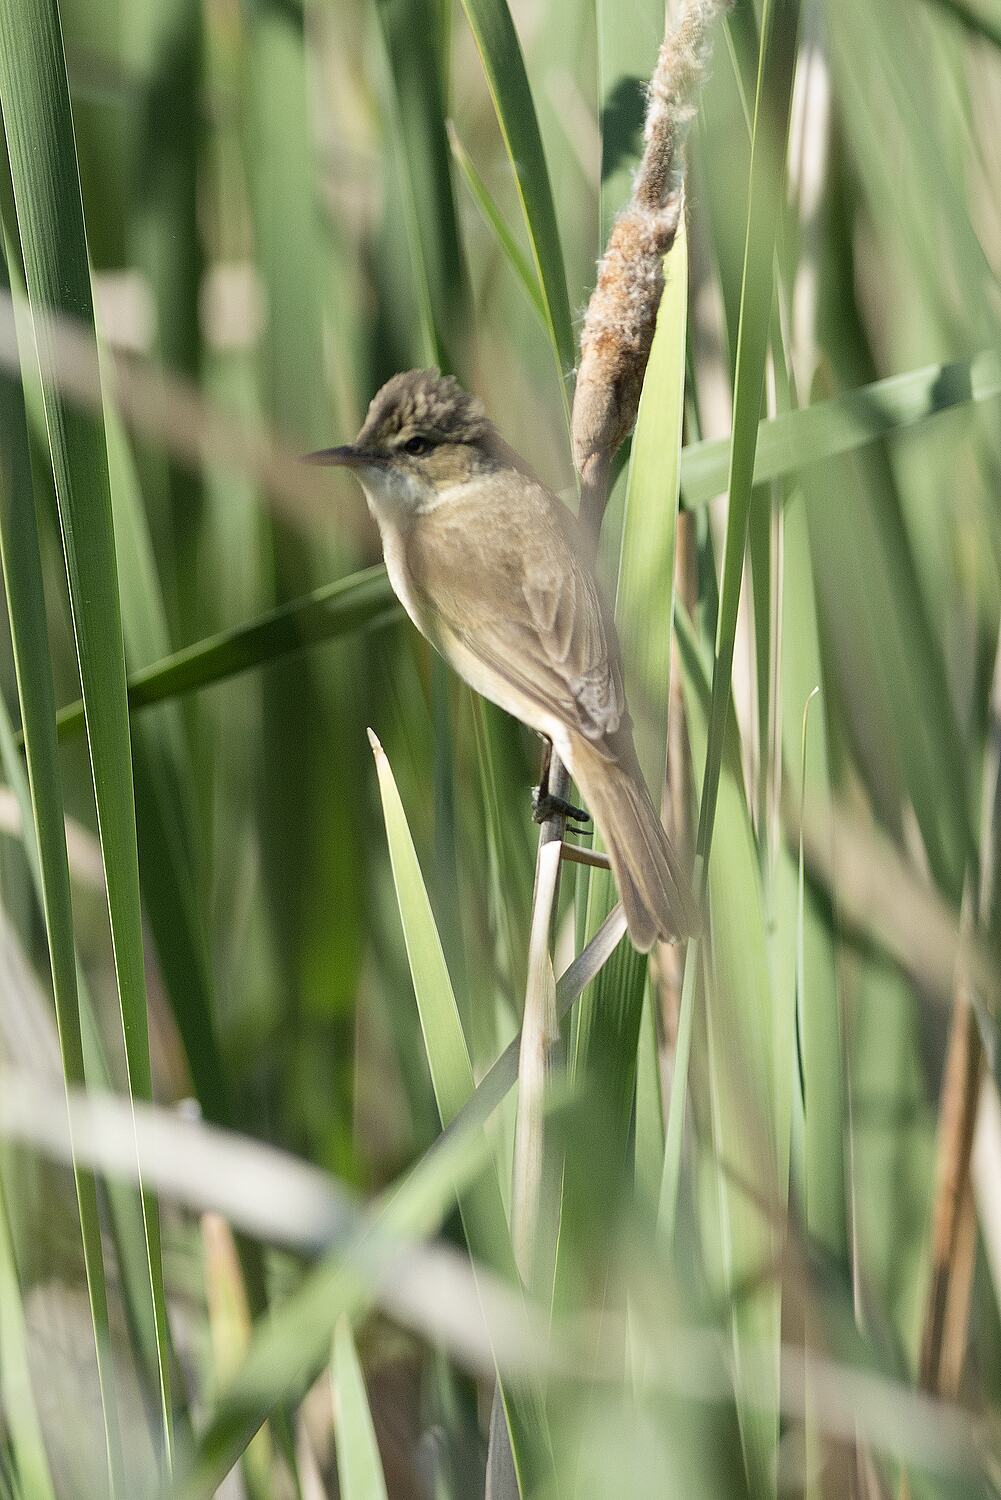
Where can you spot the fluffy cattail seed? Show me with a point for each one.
(622, 314)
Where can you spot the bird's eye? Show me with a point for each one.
(416, 445)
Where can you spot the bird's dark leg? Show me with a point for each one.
(544, 804)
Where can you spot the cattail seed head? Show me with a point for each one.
(618, 330)
(622, 313)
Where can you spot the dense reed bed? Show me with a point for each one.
(276, 1217)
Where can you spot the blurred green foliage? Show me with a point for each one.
(274, 205)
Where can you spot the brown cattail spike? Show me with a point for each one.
(622, 314)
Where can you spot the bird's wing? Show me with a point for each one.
(503, 575)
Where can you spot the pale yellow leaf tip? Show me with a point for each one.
(377, 749)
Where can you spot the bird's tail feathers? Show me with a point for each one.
(654, 887)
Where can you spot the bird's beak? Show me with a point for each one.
(346, 457)
(327, 457)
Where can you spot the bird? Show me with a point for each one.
(492, 569)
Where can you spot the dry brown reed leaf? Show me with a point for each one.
(944, 1335)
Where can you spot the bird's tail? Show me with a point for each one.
(655, 890)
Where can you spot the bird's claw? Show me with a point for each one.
(546, 806)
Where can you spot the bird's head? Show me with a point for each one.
(423, 435)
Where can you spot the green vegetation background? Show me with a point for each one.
(278, 205)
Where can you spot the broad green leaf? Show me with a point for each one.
(508, 852)
(359, 1467)
(644, 599)
(774, 87)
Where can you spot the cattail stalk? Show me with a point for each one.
(615, 348)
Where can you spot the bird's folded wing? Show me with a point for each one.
(519, 599)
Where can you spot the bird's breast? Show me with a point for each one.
(394, 551)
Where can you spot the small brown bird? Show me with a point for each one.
(489, 565)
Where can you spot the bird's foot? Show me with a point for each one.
(546, 806)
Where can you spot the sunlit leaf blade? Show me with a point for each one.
(646, 592)
(454, 1085)
(507, 850)
(38, 123)
(359, 1467)
(796, 439)
(448, 1055)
